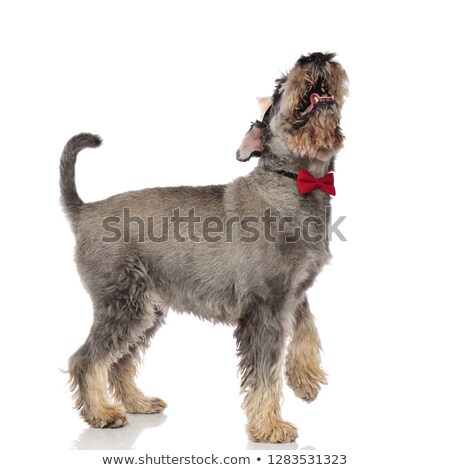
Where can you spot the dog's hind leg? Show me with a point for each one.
(304, 373)
(88, 369)
(123, 386)
(124, 320)
(260, 336)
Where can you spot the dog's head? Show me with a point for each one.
(303, 120)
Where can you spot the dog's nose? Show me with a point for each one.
(318, 58)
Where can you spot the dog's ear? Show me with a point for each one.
(251, 146)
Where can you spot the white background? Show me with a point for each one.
(171, 88)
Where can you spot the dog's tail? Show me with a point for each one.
(70, 200)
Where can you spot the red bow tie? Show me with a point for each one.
(306, 183)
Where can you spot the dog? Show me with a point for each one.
(252, 273)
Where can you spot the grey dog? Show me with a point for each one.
(252, 273)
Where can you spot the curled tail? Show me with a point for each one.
(70, 200)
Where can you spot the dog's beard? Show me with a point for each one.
(320, 135)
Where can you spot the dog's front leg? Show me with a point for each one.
(304, 373)
(260, 337)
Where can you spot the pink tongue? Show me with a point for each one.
(315, 98)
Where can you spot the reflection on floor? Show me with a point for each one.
(125, 438)
(117, 439)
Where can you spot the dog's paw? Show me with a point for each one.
(273, 432)
(112, 416)
(146, 405)
(306, 384)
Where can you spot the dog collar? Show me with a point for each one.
(307, 182)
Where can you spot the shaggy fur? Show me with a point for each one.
(258, 286)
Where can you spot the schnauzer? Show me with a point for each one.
(249, 264)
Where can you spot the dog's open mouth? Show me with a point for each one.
(317, 95)
(316, 99)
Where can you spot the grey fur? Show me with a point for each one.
(69, 195)
(256, 287)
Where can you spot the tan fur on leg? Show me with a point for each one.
(96, 410)
(121, 376)
(303, 370)
(265, 424)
